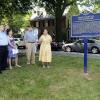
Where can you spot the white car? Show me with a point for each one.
(20, 44)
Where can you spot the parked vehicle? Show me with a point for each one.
(55, 46)
(20, 45)
(78, 46)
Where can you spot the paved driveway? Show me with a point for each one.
(75, 54)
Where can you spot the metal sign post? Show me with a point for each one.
(85, 55)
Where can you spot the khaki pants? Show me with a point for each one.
(30, 52)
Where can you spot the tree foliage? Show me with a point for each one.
(97, 6)
(9, 8)
(73, 11)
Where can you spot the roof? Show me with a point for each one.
(42, 18)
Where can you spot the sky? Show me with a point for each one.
(87, 7)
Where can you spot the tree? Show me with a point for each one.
(72, 11)
(57, 8)
(9, 8)
(20, 21)
(97, 6)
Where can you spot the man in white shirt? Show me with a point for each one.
(31, 39)
(3, 49)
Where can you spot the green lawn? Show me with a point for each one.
(63, 81)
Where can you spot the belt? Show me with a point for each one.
(3, 45)
(31, 42)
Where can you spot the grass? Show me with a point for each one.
(63, 81)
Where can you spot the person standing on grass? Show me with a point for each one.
(31, 39)
(12, 50)
(3, 49)
(45, 54)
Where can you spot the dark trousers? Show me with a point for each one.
(3, 57)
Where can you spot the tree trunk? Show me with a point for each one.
(58, 17)
(58, 29)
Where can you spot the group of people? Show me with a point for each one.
(31, 42)
(7, 46)
(9, 50)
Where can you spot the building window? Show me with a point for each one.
(49, 23)
(52, 22)
(37, 24)
(34, 24)
(46, 23)
(43, 23)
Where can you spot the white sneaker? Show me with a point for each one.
(10, 68)
(18, 66)
(33, 63)
(44, 66)
(48, 66)
(28, 63)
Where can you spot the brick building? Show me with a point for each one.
(47, 22)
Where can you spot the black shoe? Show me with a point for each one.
(3, 69)
(0, 72)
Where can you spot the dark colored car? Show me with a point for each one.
(55, 46)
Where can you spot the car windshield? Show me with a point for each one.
(91, 41)
(15, 39)
(21, 39)
(79, 41)
(97, 41)
(82, 41)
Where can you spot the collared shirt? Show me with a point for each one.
(3, 39)
(31, 36)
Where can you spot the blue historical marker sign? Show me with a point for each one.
(85, 25)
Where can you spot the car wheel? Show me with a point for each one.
(94, 50)
(68, 49)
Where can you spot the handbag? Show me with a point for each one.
(15, 51)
